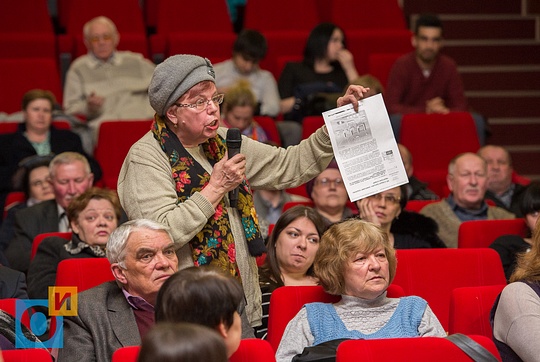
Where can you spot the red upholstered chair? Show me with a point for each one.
(470, 308)
(286, 302)
(27, 355)
(84, 273)
(253, 349)
(268, 124)
(379, 65)
(281, 15)
(126, 354)
(310, 124)
(39, 238)
(417, 205)
(12, 199)
(424, 349)
(9, 305)
(111, 148)
(382, 14)
(433, 273)
(427, 138)
(481, 233)
(288, 205)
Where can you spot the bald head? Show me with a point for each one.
(467, 179)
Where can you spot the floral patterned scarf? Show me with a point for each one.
(214, 244)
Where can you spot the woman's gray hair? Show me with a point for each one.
(116, 245)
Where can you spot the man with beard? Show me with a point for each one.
(425, 81)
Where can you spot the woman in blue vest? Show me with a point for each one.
(356, 260)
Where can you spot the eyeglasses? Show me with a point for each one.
(97, 38)
(391, 199)
(40, 183)
(326, 182)
(202, 104)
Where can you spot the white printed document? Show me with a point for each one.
(365, 148)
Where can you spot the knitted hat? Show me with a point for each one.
(311, 183)
(174, 77)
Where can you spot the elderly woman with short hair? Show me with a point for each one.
(356, 260)
(180, 174)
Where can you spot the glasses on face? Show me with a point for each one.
(326, 182)
(97, 38)
(40, 183)
(391, 199)
(202, 104)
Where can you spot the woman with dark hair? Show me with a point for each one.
(172, 342)
(406, 230)
(510, 246)
(92, 216)
(206, 296)
(291, 250)
(357, 261)
(327, 68)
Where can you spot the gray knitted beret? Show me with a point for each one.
(174, 77)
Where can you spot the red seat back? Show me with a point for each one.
(253, 349)
(286, 302)
(310, 124)
(425, 349)
(27, 355)
(111, 150)
(433, 273)
(382, 14)
(39, 238)
(126, 354)
(12, 199)
(268, 124)
(9, 305)
(83, 273)
(470, 308)
(481, 233)
(417, 205)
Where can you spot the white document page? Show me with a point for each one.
(365, 148)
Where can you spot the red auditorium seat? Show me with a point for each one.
(26, 30)
(310, 124)
(366, 14)
(12, 199)
(424, 349)
(417, 205)
(470, 308)
(481, 233)
(379, 65)
(433, 273)
(84, 273)
(253, 349)
(111, 150)
(286, 302)
(268, 124)
(281, 15)
(424, 133)
(10, 127)
(39, 238)
(27, 355)
(24, 74)
(9, 305)
(126, 354)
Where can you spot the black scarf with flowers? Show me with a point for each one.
(214, 244)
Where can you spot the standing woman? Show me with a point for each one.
(179, 174)
(291, 251)
(327, 67)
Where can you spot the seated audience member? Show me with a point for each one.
(467, 181)
(269, 204)
(425, 81)
(326, 69)
(33, 179)
(238, 108)
(206, 296)
(357, 261)
(500, 188)
(70, 176)
(106, 84)
(93, 216)
(291, 251)
(12, 284)
(406, 230)
(173, 342)
(416, 189)
(37, 136)
(515, 315)
(510, 246)
(119, 313)
(329, 195)
(248, 50)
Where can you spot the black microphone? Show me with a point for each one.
(234, 141)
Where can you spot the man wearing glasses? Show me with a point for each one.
(106, 84)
